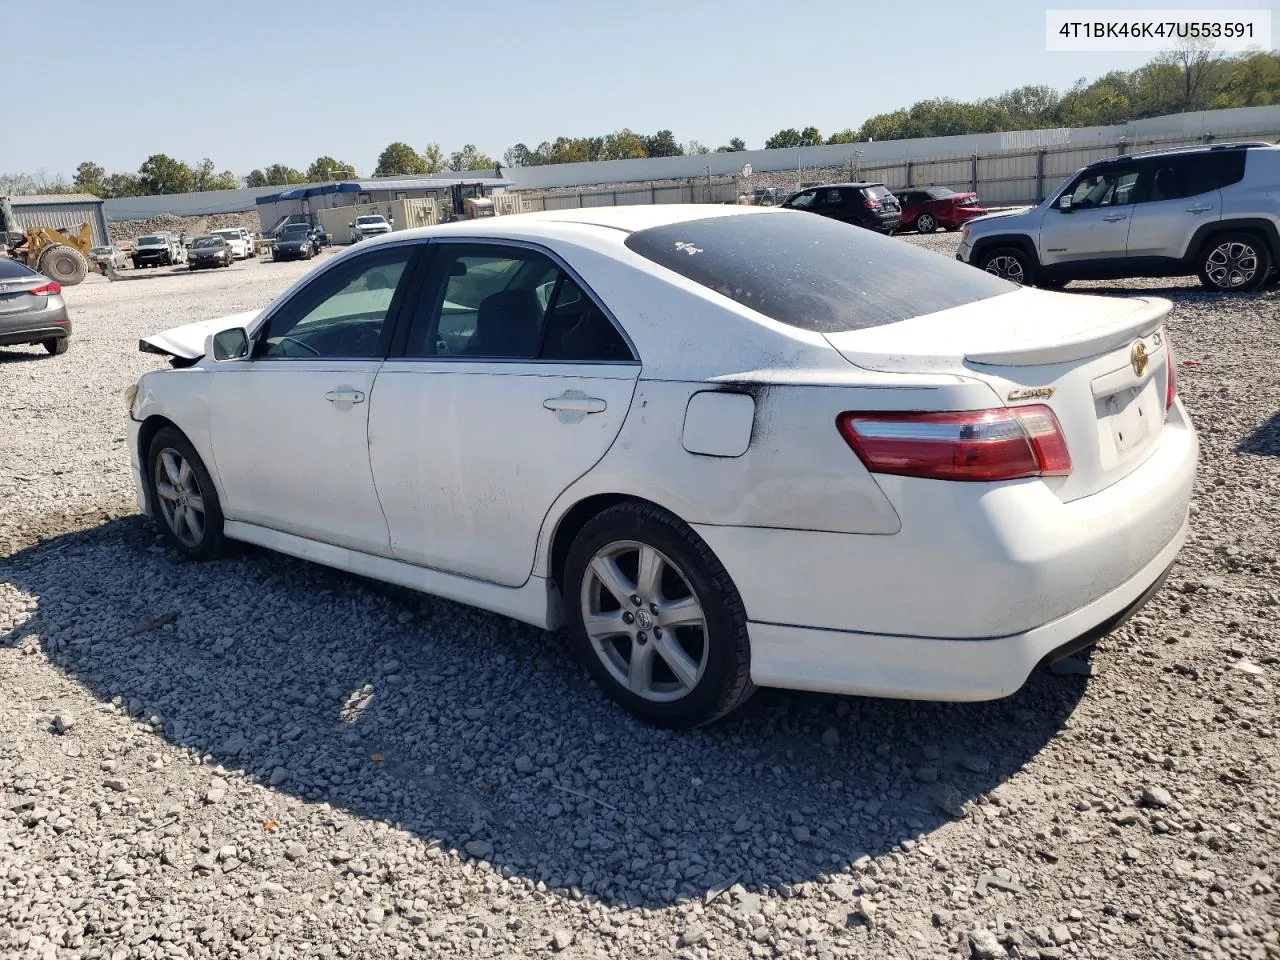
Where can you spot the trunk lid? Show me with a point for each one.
(1070, 352)
(15, 298)
(187, 341)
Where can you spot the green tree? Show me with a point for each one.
(161, 174)
(1250, 81)
(279, 175)
(783, 139)
(469, 158)
(326, 168)
(695, 148)
(207, 179)
(623, 145)
(400, 160)
(810, 137)
(122, 185)
(256, 178)
(521, 156)
(91, 178)
(844, 136)
(433, 159)
(662, 144)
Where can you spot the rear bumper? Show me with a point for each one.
(35, 326)
(924, 668)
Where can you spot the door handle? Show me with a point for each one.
(1114, 219)
(345, 396)
(1198, 209)
(570, 404)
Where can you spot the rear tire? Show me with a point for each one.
(1233, 263)
(689, 626)
(183, 498)
(64, 264)
(926, 223)
(57, 345)
(1010, 263)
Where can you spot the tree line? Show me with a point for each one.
(1192, 77)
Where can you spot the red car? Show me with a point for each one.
(927, 208)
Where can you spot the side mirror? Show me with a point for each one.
(230, 344)
(1064, 203)
(351, 224)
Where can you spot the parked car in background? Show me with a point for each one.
(563, 415)
(320, 238)
(368, 225)
(294, 242)
(157, 250)
(925, 209)
(238, 239)
(209, 251)
(1207, 211)
(110, 254)
(869, 205)
(32, 309)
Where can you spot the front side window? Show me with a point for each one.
(343, 313)
(802, 201)
(1109, 188)
(488, 301)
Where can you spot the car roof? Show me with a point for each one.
(1182, 151)
(852, 183)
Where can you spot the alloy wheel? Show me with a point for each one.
(926, 224)
(180, 498)
(1006, 267)
(644, 622)
(1231, 264)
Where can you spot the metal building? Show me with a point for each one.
(66, 211)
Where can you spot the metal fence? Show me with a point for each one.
(1009, 177)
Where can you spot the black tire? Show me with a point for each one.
(210, 543)
(926, 223)
(1010, 263)
(57, 345)
(64, 264)
(721, 643)
(1233, 263)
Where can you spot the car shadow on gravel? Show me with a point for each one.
(23, 354)
(1263, 442)
(481, 734)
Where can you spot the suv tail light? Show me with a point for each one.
(1171, 378)
(1007, 443)
(50, 289)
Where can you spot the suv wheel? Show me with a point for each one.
(926, 223)
(1234, 262)
(1010, 263)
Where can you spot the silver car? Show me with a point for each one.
(32, 309)
(1211, 212)
(109, 255)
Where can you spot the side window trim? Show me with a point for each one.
(394, 311)
(400, 343)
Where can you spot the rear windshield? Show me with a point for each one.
(878, 192)
(12, 270)
(941, 193)
(814, 272)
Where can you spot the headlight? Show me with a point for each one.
(130, 395)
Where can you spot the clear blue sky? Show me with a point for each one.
(249, 84)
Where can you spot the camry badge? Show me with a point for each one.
(1031, 393)
(1138, 358)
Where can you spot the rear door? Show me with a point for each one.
(1097, 225)
(511, 383)
(1177, 195)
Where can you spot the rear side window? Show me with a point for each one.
(814, 273)
(13, 270)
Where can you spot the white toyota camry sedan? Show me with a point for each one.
(725, 446)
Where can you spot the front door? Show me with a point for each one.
(289, 425)
(1097, 225)
(511, 384)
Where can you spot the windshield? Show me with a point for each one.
(801, 200)
(200, 242)
(814, 273)
(295, 231)
(151, 240)
(227, 234)
(363, 221)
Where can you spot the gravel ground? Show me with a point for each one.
(261, 758)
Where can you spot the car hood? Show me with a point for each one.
(207, 251)
(151, 246)
(374, 227)
(292, 242)
(187, 341)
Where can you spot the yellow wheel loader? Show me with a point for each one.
(60, 256)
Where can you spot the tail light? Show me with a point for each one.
(1007, 443)
(1171, 378)
(50, 289)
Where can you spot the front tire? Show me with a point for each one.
(1234, 263)
(1010, 263)
(656, 619)
(184, 500)
(926, 223)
